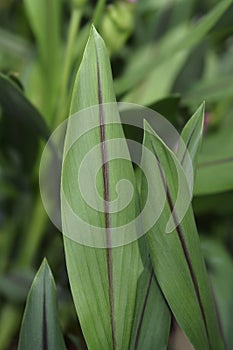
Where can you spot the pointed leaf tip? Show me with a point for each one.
(40, 327)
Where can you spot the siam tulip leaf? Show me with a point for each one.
(220, 268)
(176, 256)
(152, 317)
(40, 326)
(192, 136)
(103, 280)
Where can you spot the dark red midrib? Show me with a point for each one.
(183, 244)
(105, 171)
(143, 310)
(44, 319)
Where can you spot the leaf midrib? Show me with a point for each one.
(105, 171)
(182, 242)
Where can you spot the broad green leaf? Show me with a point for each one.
(44, 18)
(40, 326)
(176, 257)
(220, 267)
(147, 71)
(103, 280)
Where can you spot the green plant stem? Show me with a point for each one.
(39, 217)
(9, 323)
(72, 37)
(34, 234)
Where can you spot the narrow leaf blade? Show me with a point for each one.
(192, 136)
(40, 326)
(152, 317)
(177, 259)
(103, 290)
(153, 65)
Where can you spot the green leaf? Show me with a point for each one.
(40, 326)
(14, 285)
(192, 136)
(103, 280)
(176, 257)
(151, 74)
(19, 114)
(149, 90)
(151, 324)
(44, 18)
(143, 62)
(15, 105)
(220, 267)
(212, 90)
(215, 165)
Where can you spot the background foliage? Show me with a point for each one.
(168, 55)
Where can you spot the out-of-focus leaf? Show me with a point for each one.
(176, 256)
(104, 290)
(149, 72)
(15, 285)
(220, 266)
(159, 83)
(211, 91)
(210, 204)
(40, 326)
(20, 121)
(215, 164)
(44, 18)
(15, 105)
(14, 44)
(9, 323)
(169, 107)
(145, 60)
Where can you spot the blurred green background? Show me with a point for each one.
(168, 55)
